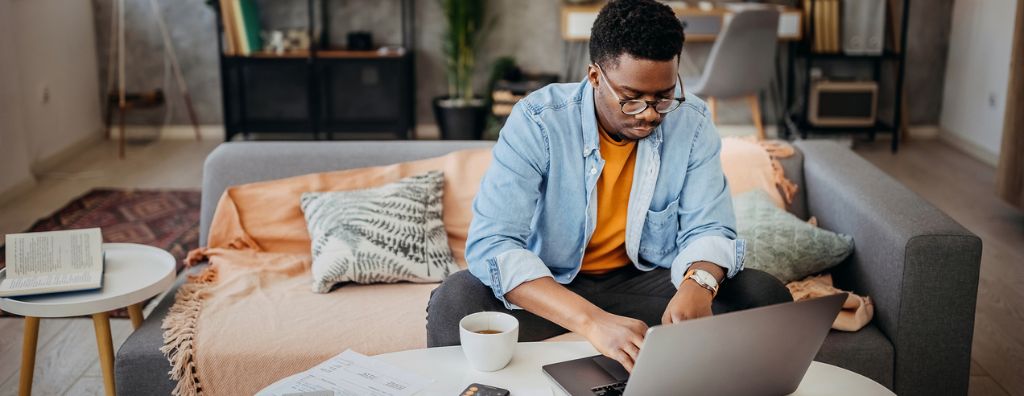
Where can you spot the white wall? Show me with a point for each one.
(57, 50)
(977, 73)
(14, 163)
(46, 45)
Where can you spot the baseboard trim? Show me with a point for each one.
(432, 132)
(427, 132)
(17, 190)
(216, 132)
(49, 163)
(971, 149)
(728, 130)
(923, 131)
(171, 132)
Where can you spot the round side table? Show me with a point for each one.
(131, 274)
(448, 368)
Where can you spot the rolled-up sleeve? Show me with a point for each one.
(707, 222)
(504, 207)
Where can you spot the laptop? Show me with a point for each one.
(760, 351)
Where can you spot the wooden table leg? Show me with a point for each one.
(755, 113)
(28, 355)
(101, 322)
(713, 106)
(135, 313)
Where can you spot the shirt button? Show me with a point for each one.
(593, 171)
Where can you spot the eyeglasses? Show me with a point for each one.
(637, 106)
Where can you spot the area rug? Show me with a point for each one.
(167, 219)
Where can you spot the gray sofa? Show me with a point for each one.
(919, 266)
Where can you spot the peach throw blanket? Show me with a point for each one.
(250, 319)
(857, 310)
(251, 312)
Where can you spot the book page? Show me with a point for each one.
(29, 283)
(350, 373)
(55, 252)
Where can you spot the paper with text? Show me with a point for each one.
(350, 373)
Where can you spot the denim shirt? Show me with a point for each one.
(537, 205)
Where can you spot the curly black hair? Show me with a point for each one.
(645, 29)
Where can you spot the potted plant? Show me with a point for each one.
(461, 115)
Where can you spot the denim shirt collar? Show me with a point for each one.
(590, 138)
(590, 130)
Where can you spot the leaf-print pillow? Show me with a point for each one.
(386, 234)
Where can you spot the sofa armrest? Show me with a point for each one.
(918, 265)
(139, 366)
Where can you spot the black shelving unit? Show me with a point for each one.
(800, 123)
(323, 91)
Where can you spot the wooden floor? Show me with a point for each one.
(66, 362)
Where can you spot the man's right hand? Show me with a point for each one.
(617, 337)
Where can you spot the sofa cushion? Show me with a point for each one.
(385, 234)
(285, 329)
(867, 352)
(781, 244)
(369, 319)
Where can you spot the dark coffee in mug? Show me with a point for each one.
(487, 332)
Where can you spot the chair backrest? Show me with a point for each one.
(742, 59)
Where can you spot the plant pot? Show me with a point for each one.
(460, 119)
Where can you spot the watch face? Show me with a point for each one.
(707, 278)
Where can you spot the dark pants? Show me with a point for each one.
(626, 292)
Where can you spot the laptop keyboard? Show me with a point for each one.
(609, 390)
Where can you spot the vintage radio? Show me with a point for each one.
(843, 103)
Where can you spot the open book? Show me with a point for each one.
(54, 261)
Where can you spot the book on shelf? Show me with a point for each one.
(241, 20)
(251, 24)
(835, 42)
(827, 25)
(53, 261)
(241, 37)
(819, 26)
(227, 17)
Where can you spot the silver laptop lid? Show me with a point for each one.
(760, 351)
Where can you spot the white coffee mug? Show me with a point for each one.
(492, 349)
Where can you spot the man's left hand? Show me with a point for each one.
(690, 302)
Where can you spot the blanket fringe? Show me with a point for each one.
(180, 329)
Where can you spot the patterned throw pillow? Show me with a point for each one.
(781, 244)
(386, 234)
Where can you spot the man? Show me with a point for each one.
(605, 209)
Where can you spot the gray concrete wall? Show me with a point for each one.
(528, 30)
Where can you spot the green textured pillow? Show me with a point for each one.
(781, 244)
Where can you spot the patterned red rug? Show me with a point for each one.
(167, 219)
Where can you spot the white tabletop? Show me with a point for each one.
(131, 274)
(523, 376)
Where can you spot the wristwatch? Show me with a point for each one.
(704, 279)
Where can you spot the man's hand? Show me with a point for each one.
(690, 302)
(617, 337)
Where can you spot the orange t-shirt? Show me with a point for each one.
(607, 248)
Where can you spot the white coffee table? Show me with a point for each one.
(132, 273)
(523, 376)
